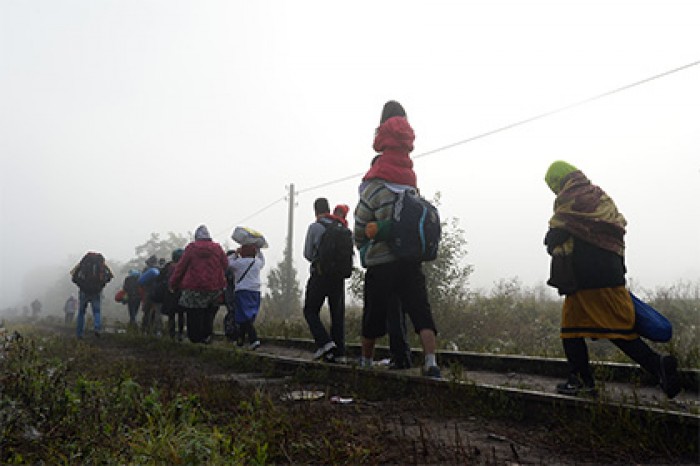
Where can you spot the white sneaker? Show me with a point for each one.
(324, 350)
(253, 346)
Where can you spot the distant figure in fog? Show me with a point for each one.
(91, 275)
(69, 309)
(36, 308)
(199, 274)
(586, 242)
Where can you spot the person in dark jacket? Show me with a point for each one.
(91, 275)
(170, 306)
(133, 295)
(319, 287)
(586, 242)
(150, 321)
(199, 274)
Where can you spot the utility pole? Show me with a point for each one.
(288, 256)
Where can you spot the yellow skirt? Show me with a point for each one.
(599, 313)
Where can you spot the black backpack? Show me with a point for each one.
(131, 286)
(415, 228)
(92, 274)
(335, 251)
(159, 286)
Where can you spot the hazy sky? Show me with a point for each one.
(121, 118)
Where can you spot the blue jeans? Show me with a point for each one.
(83, 300)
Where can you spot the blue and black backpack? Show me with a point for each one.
(415, 228)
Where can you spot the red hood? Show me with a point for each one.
(394, 140)
(396, 135)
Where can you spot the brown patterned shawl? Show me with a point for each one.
(585, 211)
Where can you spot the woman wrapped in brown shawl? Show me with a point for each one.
(586, 242)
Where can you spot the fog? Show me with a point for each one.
(123, 118)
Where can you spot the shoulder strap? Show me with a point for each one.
(246, 271)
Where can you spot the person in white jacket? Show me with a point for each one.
(246, 264)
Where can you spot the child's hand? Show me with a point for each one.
(379, 230)
(371, 230)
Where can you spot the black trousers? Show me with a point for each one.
(200, 323)
(577, 355)
(247, 329)
(318, 289)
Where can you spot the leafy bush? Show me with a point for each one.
(513, 319)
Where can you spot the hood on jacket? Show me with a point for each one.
(394, 134)
(394, 140)
(202, 233)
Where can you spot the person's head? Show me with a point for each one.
(341, 210)
(177, 254)
(556, 173)
(202, 233)
(152, 261)
(161, 262)
(391, 109)
(248, 250)
(321, 206)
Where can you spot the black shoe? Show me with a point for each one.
(399, 364)
(574, 387)
(323, 351)
(330, 356)
(255, 345)
(432, 372)
(670, 382)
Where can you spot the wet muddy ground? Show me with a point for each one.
(396, 430)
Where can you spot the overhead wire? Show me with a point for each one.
(559, 110)
(501, 129)
(270, 205)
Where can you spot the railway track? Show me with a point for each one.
(525, 383)
(515, 387)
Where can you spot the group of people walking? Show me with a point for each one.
(585, 240)
(188, 289)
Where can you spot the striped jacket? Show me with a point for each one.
(376, 203)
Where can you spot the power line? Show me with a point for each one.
(559, 110)
(271, 204)
(518, 123)
(504, 128)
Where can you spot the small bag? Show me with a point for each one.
(121, 296)
(650, 323)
